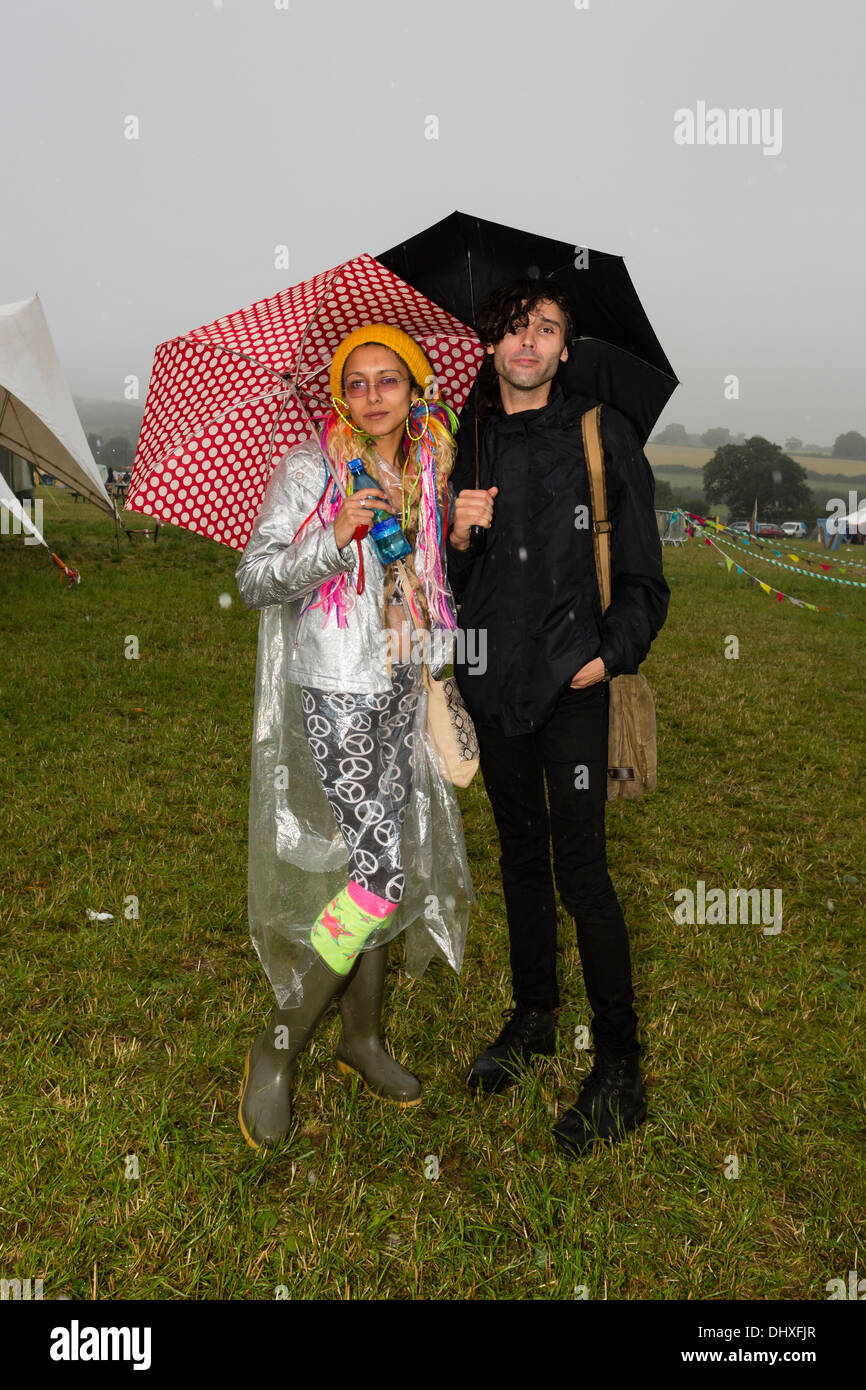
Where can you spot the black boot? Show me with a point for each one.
(527, 1033)
(610, 1102)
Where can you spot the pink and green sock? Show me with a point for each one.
(342, 927)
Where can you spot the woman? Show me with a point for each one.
(342, 769)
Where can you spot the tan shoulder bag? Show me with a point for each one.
(631, 752)
(449, 724)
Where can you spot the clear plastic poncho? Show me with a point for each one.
(298, 859)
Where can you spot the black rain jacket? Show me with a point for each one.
(530, 599)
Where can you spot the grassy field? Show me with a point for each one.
(123, 1041)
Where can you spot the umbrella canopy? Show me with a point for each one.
(227, 400)
(616, 356)
(38, 419)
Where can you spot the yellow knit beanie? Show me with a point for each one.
(390, 337)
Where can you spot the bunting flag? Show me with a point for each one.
(739, 538)
(779, 595)
(856, 564)
(810, 574)
(755, 545)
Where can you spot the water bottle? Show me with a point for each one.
(385, 529)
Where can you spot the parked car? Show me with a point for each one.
(794, 528)
(769, 531)
(738, 525)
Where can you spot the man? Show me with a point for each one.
(541, 701)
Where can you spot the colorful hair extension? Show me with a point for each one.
(438, 422)
(334, 592)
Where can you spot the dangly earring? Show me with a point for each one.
(337, 402)
(418, 401)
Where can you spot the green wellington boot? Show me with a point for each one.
(360, 1049)
(265, 1109)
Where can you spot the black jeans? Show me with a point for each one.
(570, 753)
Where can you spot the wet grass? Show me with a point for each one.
(123, 1041)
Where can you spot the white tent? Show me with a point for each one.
(38, 419)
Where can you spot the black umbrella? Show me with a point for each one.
(616, 356)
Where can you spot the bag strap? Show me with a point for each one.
(601, 527)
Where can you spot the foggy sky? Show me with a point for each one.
(306, 127)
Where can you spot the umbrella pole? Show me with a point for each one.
(474, 531)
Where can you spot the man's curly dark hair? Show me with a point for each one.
(508, 308)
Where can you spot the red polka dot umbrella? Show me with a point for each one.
(225, 401)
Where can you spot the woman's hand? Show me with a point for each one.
(590, 674)
(357, 511)
(472, 507)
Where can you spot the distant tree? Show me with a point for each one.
(738, 473)
(793, 445)
(850, 446)
(672, 434)
(95, 445)
(713, 438)
(664, 496)
(118, 453)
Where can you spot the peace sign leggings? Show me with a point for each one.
(363, 748)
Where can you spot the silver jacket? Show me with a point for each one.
(276, 570)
